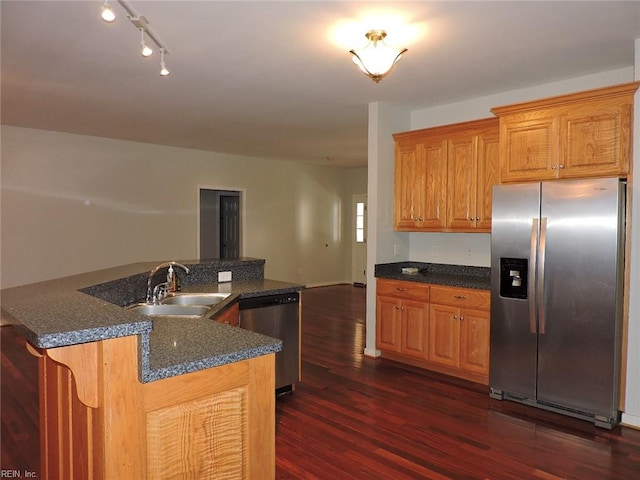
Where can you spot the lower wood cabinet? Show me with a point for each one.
(440, 328)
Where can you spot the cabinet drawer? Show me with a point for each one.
(461, 297)
(404, 290)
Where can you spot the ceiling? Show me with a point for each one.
(274, 79)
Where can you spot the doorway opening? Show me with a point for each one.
(220, 222)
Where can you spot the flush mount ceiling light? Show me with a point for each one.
(142, 24)
(376, 59)
(108, 15)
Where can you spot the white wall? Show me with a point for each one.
(453, 248)
(73, 203)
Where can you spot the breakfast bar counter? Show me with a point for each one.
(124, 395)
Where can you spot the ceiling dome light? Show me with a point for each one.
(376, 59)
(164, 71)
(108, 15)
(145, 49)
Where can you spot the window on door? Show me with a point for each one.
(360, 227)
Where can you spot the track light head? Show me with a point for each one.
(164, 71)
(108, 15)
(145, 49)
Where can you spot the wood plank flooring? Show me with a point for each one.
(355, 417)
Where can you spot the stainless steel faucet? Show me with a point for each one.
(160, 291)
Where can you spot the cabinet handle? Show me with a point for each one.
(400, 289)
(460, 297)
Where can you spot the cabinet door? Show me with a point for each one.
(434, 186)
(595, 139)
(528, 147)
(409, 179)
(474, 341)
(461, 182)
(231, 316)
(388, 324)
(415, 316)
(444, 335)
(488, 165)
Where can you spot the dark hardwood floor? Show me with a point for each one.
(355, 417)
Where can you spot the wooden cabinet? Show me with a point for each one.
(98, 421)
(585, 134)
(444, 177)
(420, 195)
(445, 329)
(472, 163)
(402, 317)
(231, 316)
(459, 329)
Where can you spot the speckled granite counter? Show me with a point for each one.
(438, 274)
(89, 307)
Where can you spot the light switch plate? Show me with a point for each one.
(224, 276)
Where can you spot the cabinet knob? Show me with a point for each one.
(461, 318)
(553, 167)
(561, 166)
(477, 218)
(455, 317)
(400, 289)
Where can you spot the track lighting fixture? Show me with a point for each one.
(142, 24)
(108, 15)
(164, 71)
(146, 50)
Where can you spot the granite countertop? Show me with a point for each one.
(89, 307)
(438, 274)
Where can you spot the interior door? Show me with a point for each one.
(229, 226)
(359, 245)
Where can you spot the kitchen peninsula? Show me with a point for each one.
(124, 395)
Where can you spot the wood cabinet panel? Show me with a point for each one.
(434, 326)
(388, 323)
(403, 289)
(231, 316)
(443, 176)
(461, 297)
(585, 134)
(415, 316)
(201, 438)
(444, 335)
(474, 341)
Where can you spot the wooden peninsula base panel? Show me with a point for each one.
(99, 422)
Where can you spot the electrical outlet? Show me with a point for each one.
(224, 276)
(396, 250)
(469, 253)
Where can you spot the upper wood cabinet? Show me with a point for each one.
(584, 134)
(444, 177)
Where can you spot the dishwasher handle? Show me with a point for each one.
(269, 301)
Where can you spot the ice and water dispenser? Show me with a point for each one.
(514, 274)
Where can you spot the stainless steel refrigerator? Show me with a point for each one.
(557, 255)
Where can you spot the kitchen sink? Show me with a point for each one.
(184, 299)
(171, 310)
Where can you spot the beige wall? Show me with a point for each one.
(73, 203)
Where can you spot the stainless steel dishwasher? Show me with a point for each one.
(277, 316)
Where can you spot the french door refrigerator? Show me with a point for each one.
(556, 305)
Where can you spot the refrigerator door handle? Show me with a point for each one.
(532, 276)
(540, 287)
